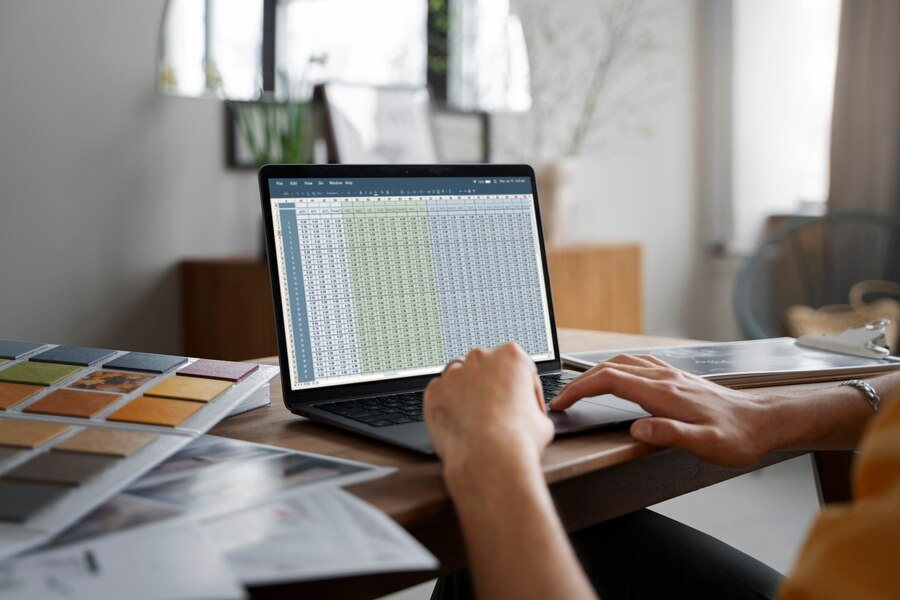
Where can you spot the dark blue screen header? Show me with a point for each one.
(398, 186)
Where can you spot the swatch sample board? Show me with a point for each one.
(78, 424)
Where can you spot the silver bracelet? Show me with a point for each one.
(866, 389)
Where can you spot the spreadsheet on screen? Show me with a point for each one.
(384, 277)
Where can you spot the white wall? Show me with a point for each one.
(647, 190)
(104, 185)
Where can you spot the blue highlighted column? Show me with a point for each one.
(293, 267)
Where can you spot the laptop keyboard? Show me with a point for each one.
(399, 409)
(380, 411)
(554, 383)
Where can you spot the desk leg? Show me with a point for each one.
(833, 475)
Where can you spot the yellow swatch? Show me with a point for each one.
(188, 388)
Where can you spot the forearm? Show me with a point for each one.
(516, 544)
(833, 418)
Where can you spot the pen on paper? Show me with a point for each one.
(91, 562)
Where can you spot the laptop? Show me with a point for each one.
(382, 274)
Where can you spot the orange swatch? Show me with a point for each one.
(155, 411)
(189, 388)
(28, 434)
(73, 403)
(13, 393)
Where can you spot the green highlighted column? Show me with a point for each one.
(392, 277)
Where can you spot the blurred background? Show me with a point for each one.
(670, 138)
(672, 131)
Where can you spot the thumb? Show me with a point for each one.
(660, 431)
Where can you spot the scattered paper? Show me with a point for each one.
(218, 475)
(165, 562)
(327, 533)
(213, 476)
(269, 514)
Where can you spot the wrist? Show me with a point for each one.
(830, 417)
(477, 475)
(775, 423)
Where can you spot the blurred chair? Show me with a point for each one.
(822, 275)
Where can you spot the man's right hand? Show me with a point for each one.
(720, 425)
(488, 410)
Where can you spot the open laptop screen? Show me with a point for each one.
(383, 278)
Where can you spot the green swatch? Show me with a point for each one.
(37, 373)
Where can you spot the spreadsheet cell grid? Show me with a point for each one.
(410, 282)
(483, 250)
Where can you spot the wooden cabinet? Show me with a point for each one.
(597, 287)
(226, 308)
(227, 303)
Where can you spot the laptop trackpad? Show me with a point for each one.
(595, 411)
(616, 402)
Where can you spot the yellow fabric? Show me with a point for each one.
(854, 551)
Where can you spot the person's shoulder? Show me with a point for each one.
(878, 466)
(844, 553)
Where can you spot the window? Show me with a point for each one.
(770, 69)
(364, 42)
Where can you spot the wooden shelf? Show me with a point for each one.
(227, 303)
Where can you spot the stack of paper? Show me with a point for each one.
(329, 533)
(175, 561)
(755, 363)
(216, 515)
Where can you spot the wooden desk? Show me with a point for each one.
(593, 476)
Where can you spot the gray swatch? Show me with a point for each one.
(74, 355)
(12, 349)
(19, 500)
(7, 453)
(142, 361)
(64, 468)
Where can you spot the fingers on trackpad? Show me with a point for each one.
(616, 402)
(594, 412)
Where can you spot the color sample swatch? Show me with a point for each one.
(7, 453)
(20, 500)
(155, 411)
(73, 355)
(76, 426)
(142, 361)
(219, 369)
(73, 403)
(111, 442)
(188, 388)
(37, 373)
(13, 349)
(65, 468)
(28, 434)
(112, 381)
(12, 394)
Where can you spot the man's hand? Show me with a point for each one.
(487, 421)
(720, 425)
(488, 408)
